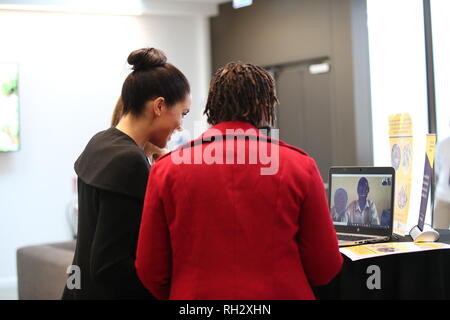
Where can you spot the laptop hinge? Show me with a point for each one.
(360, 235)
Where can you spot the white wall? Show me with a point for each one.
(71, 71)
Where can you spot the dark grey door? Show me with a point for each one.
(304, 116)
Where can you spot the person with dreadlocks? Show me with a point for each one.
(222, 227)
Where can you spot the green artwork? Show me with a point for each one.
(9, 107)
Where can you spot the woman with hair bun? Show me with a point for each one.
(112, 178)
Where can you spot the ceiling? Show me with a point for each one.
(118, 7)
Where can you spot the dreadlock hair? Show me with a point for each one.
(241, 92)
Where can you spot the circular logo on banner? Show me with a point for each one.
(402, 198)
(406, 163)
(396, 156)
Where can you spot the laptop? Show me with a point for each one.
(361, 201)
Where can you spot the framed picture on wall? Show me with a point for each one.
(9, 107)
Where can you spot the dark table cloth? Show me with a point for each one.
(417, 275)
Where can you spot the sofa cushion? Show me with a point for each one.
(41, 270)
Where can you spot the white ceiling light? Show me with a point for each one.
(319, 68)
(241, 3)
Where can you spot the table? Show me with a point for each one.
(417, 275)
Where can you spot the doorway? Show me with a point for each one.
(304, 115)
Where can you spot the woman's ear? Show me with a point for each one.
(158, 106)
(154, 108)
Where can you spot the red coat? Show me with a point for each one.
(225, 231)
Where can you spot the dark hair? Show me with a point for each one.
(241, 92)
(152, 77)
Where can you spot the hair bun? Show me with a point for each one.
(146, 58)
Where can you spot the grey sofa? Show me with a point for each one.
(41, 270)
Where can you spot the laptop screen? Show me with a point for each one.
(361, 200)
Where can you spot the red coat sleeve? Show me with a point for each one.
(317, 238)
(153, 257)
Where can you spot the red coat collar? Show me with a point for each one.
(248, 130)
(232, 125)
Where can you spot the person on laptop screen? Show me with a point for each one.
(339, 211)
(363, 211)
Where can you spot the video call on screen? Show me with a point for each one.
(361, 200)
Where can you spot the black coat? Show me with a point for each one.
(112, 177)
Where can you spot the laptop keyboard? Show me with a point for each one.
(351, 238)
